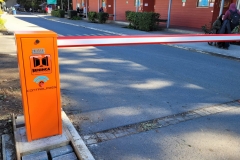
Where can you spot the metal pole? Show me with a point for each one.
(114, 12)
(221, 8)
(86, 8)
(61, 5)
(68, 4)
(136, 5)
(98, 5)
(169, 12)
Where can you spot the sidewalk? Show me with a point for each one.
(117, 28)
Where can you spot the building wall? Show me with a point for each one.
(189, 15)
(93, 6)
(74, 4)
(162, 8)
(122, 6)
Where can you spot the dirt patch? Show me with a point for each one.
(4, 31)
(10, 95)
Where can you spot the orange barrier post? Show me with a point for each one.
(39, 77)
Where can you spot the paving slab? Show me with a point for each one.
(8, 147)
(61, 151)
(70, 156)
(36, 156)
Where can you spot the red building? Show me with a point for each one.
(184, 13)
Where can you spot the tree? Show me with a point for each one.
(1, 4)
(64, 3)
(34, 4)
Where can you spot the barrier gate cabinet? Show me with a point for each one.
(39, 77)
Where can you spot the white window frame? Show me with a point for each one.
(137, 3)
(202, 6)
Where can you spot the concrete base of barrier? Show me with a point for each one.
(69, 137)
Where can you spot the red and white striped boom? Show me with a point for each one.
(78, 41)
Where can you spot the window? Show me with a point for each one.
(203, 3)
(83, 5)
(103, 3)
(136, 2)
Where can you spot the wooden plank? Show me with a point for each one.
(16, 138)
(47, 148)
(46, 144)
(78, 154)
(79, 146)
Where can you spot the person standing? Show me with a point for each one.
(217, 24)
(13, 10)
(101, 9)
(229, 22)
(232, 14)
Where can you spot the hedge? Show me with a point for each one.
(72, 13)
(76, 18)
(102, 17)
(145, 21)
(92, 16)
(58, 13)
(2, 22)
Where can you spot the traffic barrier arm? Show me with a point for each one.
(78, 41)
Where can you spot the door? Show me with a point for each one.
(148, 5)
(109, 8)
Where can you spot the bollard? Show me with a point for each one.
(39, 77)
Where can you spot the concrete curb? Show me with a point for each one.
(82, 148)
(205, 52)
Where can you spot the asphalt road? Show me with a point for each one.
(116, 86)
(63, 29)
